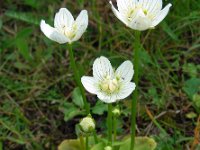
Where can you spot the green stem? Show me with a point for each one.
(77, 78)
(86, 143)
(137, 47)
(109, 120)
(82, 142)
(115, 127)
(95, 137)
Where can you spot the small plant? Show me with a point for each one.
(108, 84)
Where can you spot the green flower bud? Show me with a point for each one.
(87, 124)
(108, 148)
(116, 112)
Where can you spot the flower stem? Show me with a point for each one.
(109, 121)
(77, 78)
(87, 142)
(137, 47)
(95, 137)
(115, 127)
(82, 142)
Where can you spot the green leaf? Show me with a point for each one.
(70, 111)
(99, 146)
(99, 108)
(141, 143)
(26, 17)
(23, 49)
(70, 145)
(21, 43)
(77, 98)
(191, 87)
(169, 31)
(191, 69)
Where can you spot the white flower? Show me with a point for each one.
(66, 29)
(87, 124)
(108, 84)
(140, 14)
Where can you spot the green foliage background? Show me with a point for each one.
(39, 106)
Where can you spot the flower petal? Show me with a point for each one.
(162, 14)
(125, 5)
(118, 14)
(63, 18)
(107, 98)
(141, 22)
(102, 68)
(125, 71)
(90, 84)
(52, 33)
(126, 90)
(155, 6)
(81, 24)
(146, 4)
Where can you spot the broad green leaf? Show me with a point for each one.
(141, 143)
(26, 17)
(99, 146)
(99, 108)
(70, 145)
(77, 97)
(196, 100)
(70, 111)
(22, 44)
(75, 144)
(23, 49)
(191, 69)
(191, 87)
(24, 33)
(191, 115)
(32, 3)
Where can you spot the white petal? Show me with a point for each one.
(141, 22)
(107, 98)
(125, 71)
(125, 5)
(90, 84)
(52, 33)
(162, 14)
(155, 6)
(126, 90)
(119, 15)
(81, 24)
(63, 18)
(102, 68)
(146, 4)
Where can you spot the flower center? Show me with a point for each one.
(70, 32)
(132, 12)
(109, 85)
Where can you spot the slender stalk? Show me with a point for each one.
(115, 127)
(87, 142)
(95, 137)
(77, 78)
(109, 121)
(137, 47)
(82, 142)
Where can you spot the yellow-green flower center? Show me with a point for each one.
(109, 85)
(70, 32)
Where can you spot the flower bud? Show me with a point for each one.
(108, 148)
(87, 124)
(116, 112)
